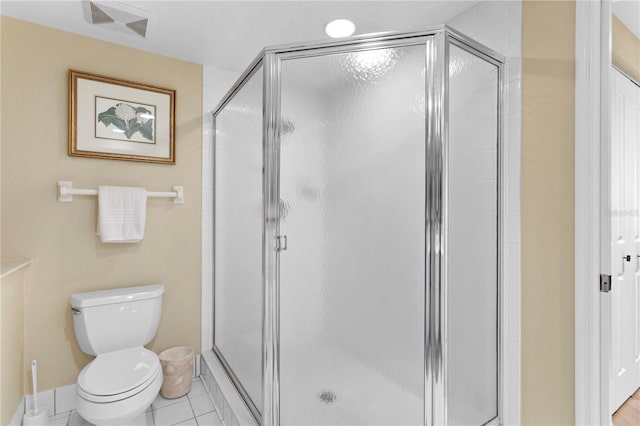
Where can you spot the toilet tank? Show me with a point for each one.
(112, 320)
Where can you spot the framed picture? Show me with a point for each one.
(121, 120)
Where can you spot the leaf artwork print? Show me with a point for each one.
(129, 120)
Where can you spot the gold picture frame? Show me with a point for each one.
(120, 119)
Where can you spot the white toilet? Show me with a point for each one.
(124, 378)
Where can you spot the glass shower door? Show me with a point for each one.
(352, 205)
(472, 243)
(238, 221)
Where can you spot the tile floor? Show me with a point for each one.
(194, 409)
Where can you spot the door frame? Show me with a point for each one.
(592, 213)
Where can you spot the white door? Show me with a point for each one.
(625, 239)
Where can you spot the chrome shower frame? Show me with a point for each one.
(436, 41)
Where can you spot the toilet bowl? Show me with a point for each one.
(123, 382)
(124, 378)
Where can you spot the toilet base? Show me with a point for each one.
(119, 412)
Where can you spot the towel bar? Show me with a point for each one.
(66, 191)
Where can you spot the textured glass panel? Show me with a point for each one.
(238, 235)
(472, 256)
(352, 183)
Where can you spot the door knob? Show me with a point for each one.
(625, 258)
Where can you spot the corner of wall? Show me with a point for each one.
(12, 364)
(548, 206)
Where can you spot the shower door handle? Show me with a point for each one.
(281, 243)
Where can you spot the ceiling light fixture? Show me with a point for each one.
(340, 28)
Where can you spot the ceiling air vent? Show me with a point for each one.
(117, 16)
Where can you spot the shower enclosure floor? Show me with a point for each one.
(322, 384)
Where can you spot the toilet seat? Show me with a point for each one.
(118, 375)
(121, 412)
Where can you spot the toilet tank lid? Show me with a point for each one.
(117, 295)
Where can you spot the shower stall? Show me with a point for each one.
(358, 231)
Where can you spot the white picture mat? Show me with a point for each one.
(86, 90)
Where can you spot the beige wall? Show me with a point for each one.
(547, 197)
(12, 338)
(60, 237)
(625, 49)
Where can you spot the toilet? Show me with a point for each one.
(124, 378)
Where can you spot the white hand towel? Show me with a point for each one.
(122, 213)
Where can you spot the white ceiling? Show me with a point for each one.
(628, 11)
(229, 34)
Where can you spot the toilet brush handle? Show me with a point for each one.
(34, 378)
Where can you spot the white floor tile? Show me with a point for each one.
(144, 419)
(173, 414)
(197, 389)
(190, 422)
(202, 404)
(77, 420)
(162, 402)
(59, 419)
(209, 419)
